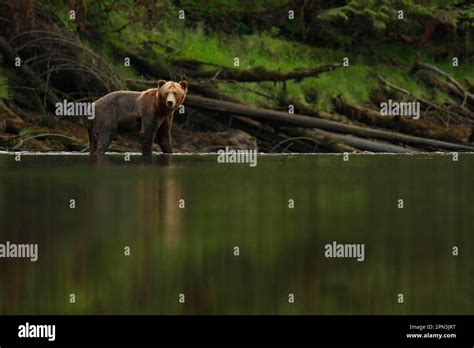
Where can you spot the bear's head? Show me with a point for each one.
(171, 94)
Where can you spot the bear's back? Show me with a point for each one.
(120, 104)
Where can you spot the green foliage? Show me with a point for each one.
(466, 17)
(321, 33)
(378, 20)
(226, 6)
(4, 94)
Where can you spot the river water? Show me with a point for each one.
(224, 236)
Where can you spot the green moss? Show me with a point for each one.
(4, 94)
(268, 50)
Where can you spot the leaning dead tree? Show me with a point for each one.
(56, 56)
(9, 56)
(453, 86)
(466, 98)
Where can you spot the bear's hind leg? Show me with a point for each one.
(92, 141)
(104, 141)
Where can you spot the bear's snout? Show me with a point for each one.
(170, 101)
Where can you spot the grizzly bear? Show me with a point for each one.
(155, 107)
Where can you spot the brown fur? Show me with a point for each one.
(152, 106)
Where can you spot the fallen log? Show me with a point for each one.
(310, 122)
(260, 74)
(326, 141)
(199, 88)
(346, 142)
(309, 111)
(143, 65)
(422, 127)
(267, 136)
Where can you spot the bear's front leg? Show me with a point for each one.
(164, 136)
(148, 133)
(147, 139)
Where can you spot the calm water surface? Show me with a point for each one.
(191, 250)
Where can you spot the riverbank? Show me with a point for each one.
(424, 59)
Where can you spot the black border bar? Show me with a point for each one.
(241, 329)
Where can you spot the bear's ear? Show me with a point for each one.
(184, 85)
(161, 83)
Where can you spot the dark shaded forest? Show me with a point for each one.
(275, 75)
